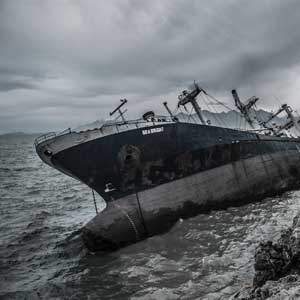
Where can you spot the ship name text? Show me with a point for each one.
(152, 130)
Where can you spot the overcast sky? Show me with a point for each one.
(65, 63)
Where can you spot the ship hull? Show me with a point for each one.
(151, 177)
(154, 211)
(141, 159)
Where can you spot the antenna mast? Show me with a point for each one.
(190, 97)
(168, 109)
(118, 109)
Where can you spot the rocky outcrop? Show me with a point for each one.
(277, 268)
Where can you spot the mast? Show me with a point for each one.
(190, 97)
(118, 109)
(245, 109)
(168, 109)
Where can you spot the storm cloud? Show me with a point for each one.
(64, 63)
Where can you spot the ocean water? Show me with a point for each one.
(42, 255)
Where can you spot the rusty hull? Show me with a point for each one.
(153, 211)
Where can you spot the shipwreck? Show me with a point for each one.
(157, 169)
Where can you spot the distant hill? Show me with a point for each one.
(92, 125)
(230, 119)
(13, 134)
(19, 135)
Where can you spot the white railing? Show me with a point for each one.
(50, 135)
(118, 126)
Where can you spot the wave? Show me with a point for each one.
(24, 169)
(31, 235)
(33, 192)
(5, 169)
(39, 219)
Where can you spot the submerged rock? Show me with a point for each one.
(277, 268)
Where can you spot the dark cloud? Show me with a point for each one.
(7, 85)
(60, 58)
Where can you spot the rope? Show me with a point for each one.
(175, 111)
(226, 106)
(237, 117)
(207, 107)
(184, 113)
(219, 102)
(191, 116)
(95, 202)
(216, 117)
(141, 213)
(240, 122)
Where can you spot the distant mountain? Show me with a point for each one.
(19, 135)
(13, 134)
(230, 119)
(92, 125)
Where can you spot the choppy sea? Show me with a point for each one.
(42, 255)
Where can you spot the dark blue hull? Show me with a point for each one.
(140, 159)
(154, 175)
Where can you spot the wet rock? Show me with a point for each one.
(277, 268)
(287, 287)
(271, 261)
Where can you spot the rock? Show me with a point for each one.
(277, 268)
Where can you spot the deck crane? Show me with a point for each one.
(245, 109)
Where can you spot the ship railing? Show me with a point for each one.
(141, 122)
(119, 126)
(50, 135)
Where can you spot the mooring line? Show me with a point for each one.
(141, 213)
(95, 202)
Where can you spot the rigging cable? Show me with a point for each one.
(192, 117)
(237, 117)
(95, 202)
(226, 106)
(217, 120)
(217, 117)
(219, 102)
